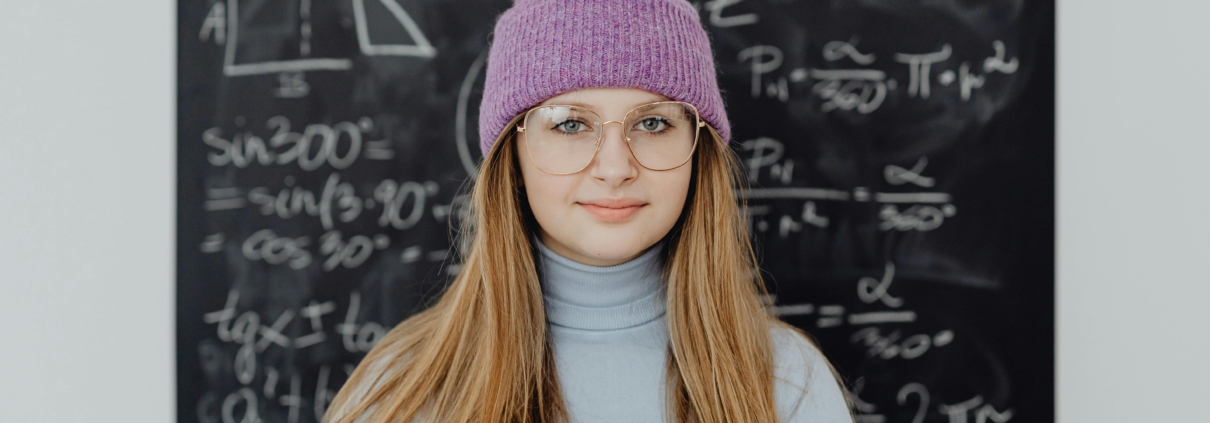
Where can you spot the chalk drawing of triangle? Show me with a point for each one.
(420, 46)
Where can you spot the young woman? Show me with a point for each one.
(609, 275)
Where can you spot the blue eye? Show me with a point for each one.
(570, 126)
(652, 124)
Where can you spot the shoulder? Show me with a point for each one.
(796, 357)
(805, 388)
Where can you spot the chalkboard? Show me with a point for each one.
(900, 155)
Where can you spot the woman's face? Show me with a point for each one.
(615, 208)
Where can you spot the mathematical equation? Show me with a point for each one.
(395, 205)
(864, 89)
(899, 211)
(873, 291)
(262, 385)
(962, 412)
(895, 344)
(339, 145)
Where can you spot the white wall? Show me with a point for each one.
(86, 210)
(1134, 211)
(87, 135)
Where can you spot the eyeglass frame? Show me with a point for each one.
(597, 144)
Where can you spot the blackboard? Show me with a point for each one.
(900, 155)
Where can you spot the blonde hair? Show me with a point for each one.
(482, 352)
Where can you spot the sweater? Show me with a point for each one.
(609, 335)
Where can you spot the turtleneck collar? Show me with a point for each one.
(581, 296)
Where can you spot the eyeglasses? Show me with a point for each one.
(562, 139)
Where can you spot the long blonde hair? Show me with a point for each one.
(482, 352)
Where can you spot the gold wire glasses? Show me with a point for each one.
(563, 139)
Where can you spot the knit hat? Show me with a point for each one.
(542, 48)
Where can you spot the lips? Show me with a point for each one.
(612, 210)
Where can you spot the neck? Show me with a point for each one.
(582, 296)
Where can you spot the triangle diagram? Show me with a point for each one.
(386, 21)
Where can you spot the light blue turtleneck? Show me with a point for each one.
(610, 338)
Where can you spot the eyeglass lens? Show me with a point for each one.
(563, 139)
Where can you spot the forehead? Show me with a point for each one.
(603, 100)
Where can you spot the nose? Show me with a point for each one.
(614, 164)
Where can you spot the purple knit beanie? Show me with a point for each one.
(542, 48)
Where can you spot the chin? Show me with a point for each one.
(613, 243)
